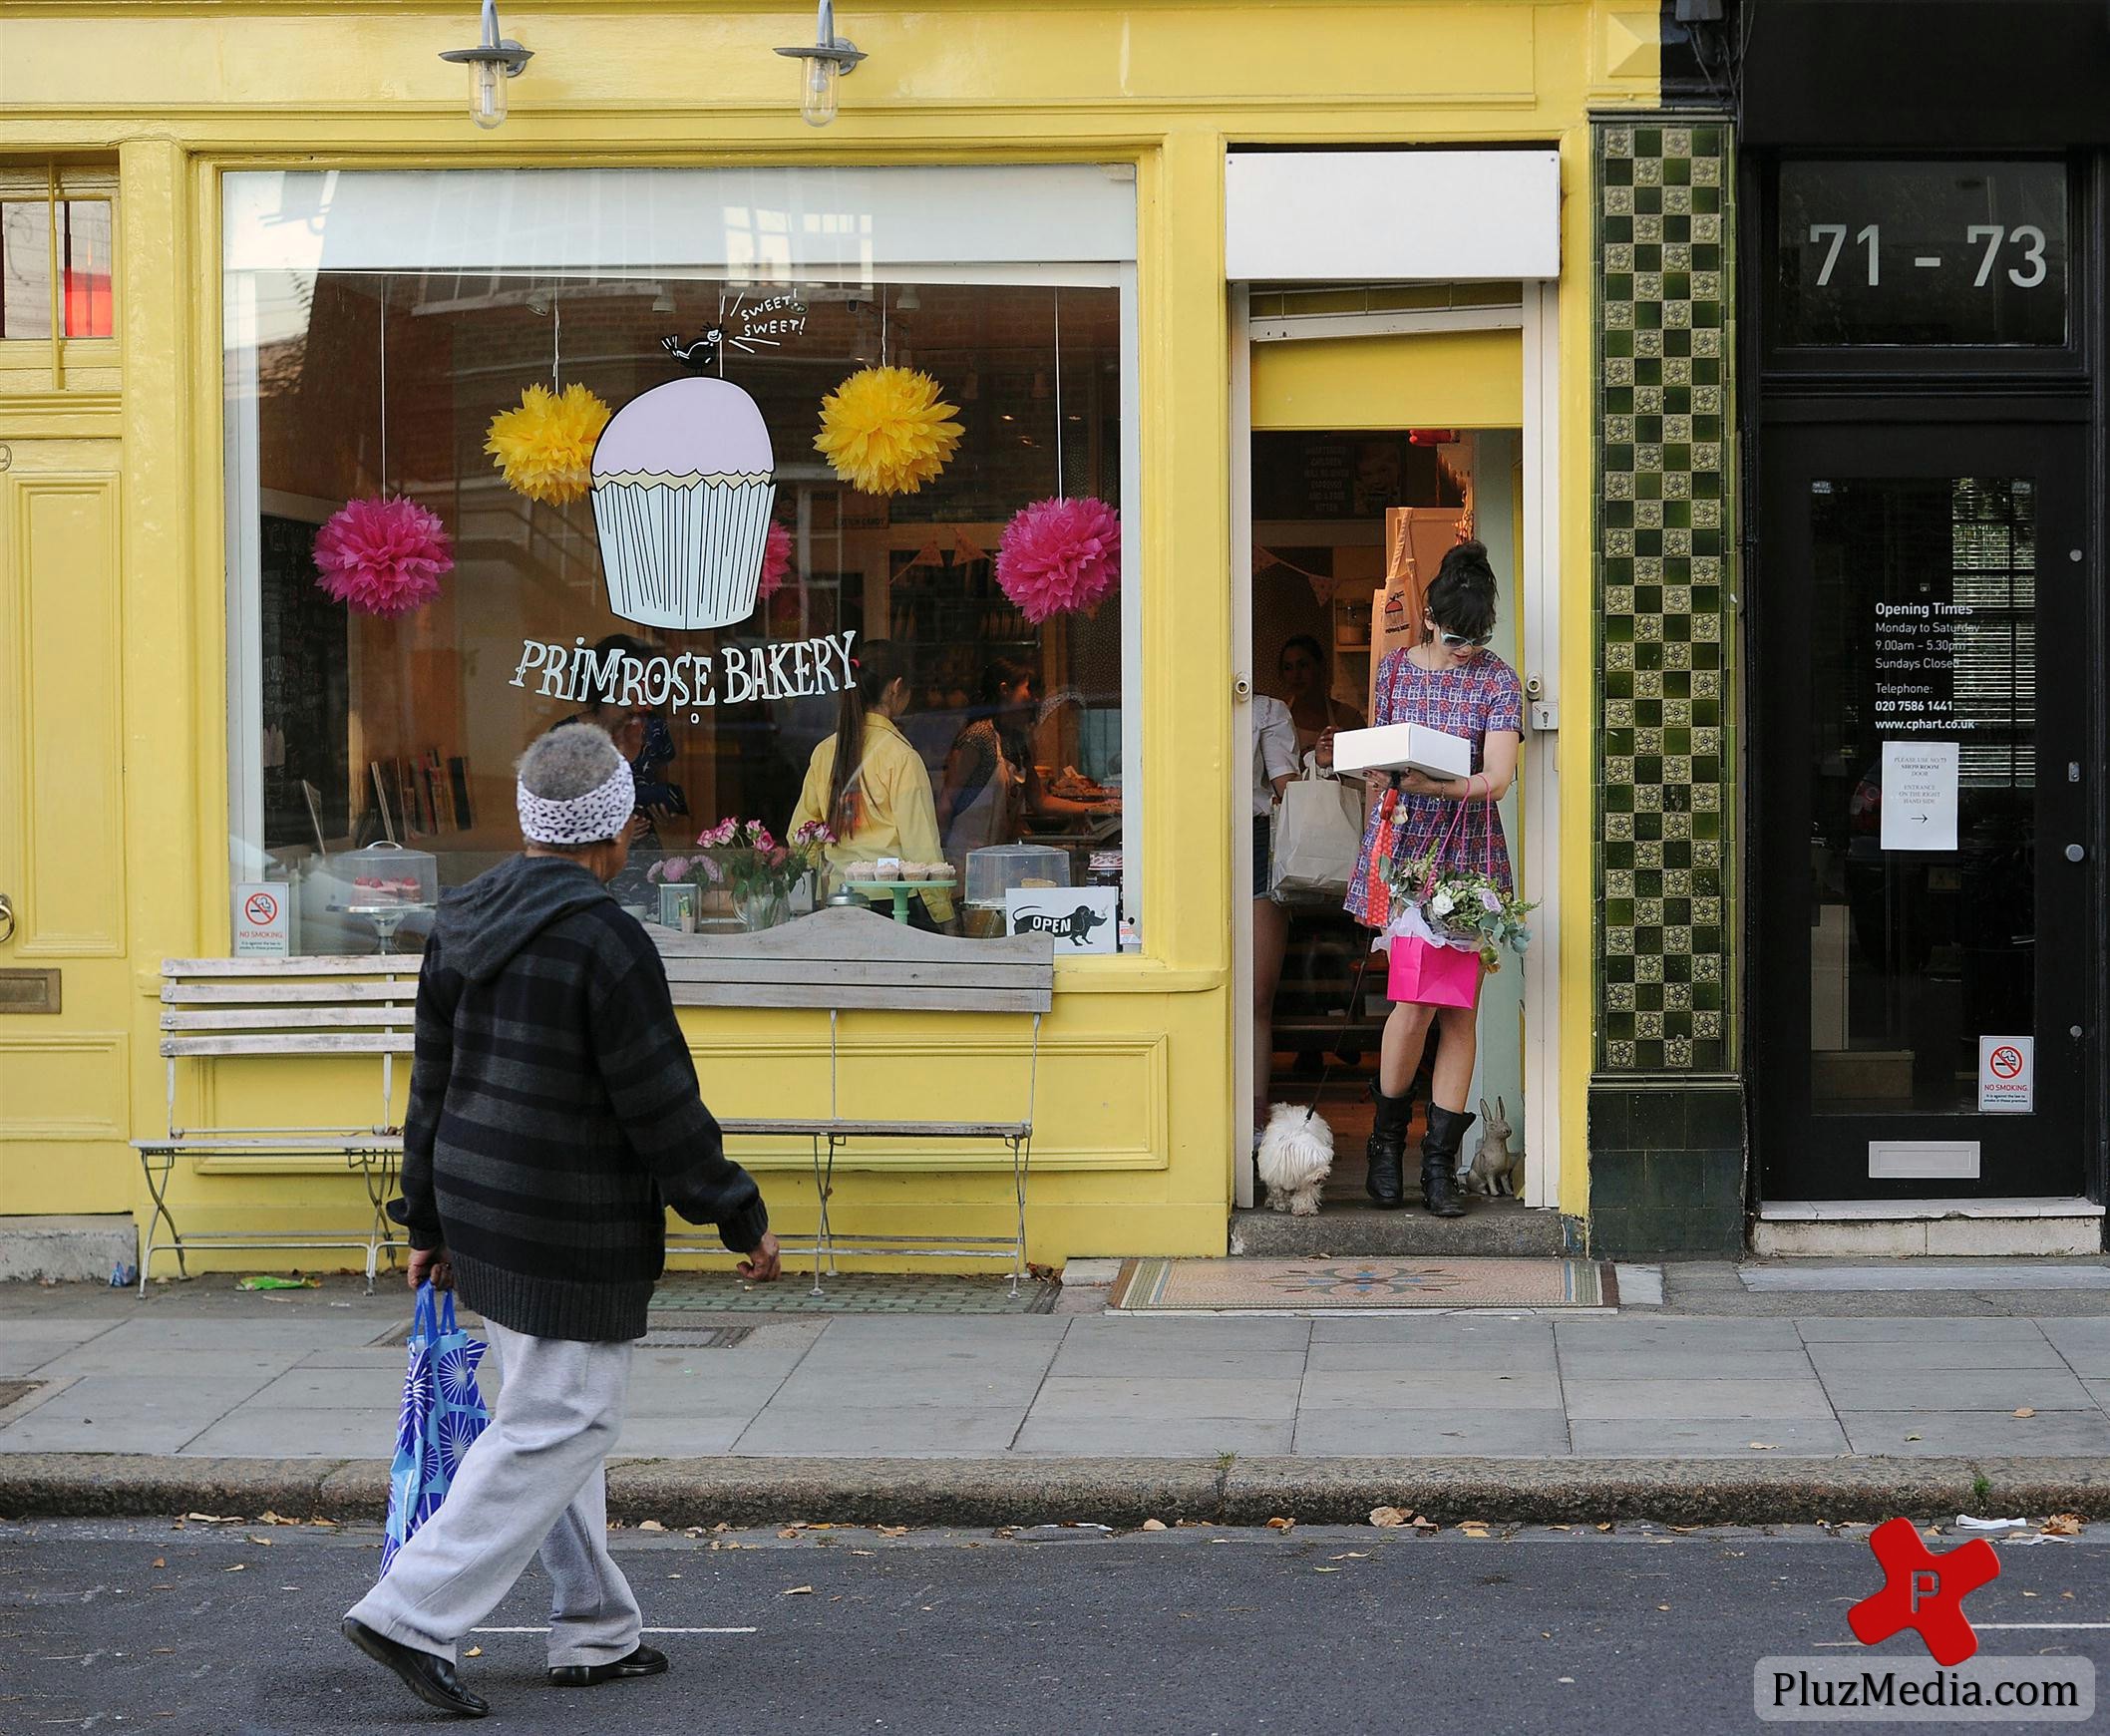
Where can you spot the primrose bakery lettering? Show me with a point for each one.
(730, 675)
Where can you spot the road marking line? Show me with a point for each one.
(2060, 1625)
(727, 1631)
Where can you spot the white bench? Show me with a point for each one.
(844, 959)
(214, 1008)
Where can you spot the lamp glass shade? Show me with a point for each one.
(486, 93)
(819, 78)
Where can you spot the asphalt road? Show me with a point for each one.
(1639, 1631)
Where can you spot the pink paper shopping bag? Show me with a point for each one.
(1437, 977)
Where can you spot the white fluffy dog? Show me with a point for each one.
(1295, 1158)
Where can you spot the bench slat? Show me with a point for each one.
(792, 1127)
(791, 994)
(338, 993)
(269, 1043)
(288, 1018)
(397, 964)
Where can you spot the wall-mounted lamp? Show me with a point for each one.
(490, 63)
(828, 61)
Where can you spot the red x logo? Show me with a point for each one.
(1924, 1592)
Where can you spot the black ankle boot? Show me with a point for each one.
(1439, 1161)
(1386, 1154)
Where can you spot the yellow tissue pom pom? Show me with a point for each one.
(886, 432)
(546, 445)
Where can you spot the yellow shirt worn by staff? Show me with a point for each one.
(898, 814)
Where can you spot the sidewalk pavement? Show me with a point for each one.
(201, 1397)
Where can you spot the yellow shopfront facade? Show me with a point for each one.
(305, 239)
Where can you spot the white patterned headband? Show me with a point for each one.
(589, 818)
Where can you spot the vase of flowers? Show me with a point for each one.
(1462, 908)
(748, 861)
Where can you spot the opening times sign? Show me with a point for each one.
(1916, 668)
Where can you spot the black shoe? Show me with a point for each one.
(426, 1674)
(1439, 1161)
(644, 1661)
(1386, 1154)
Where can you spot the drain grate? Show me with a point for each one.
(685, 1337)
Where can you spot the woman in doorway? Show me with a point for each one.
(871, 785)
(1316, 714)
(1449, 682)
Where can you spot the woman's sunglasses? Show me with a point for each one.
(1461, 641)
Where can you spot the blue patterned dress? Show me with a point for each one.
(1468, 699)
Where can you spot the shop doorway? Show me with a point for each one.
(1366, 444)
(1925, 894)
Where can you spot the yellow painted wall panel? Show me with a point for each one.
(64, 543)
(1427, 380)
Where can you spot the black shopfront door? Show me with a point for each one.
(1921, 767)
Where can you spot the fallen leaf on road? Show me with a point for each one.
(1912, 1437)
(789, 1531)
(1603, 1525)
(864, 1551)
(473, 1651)
(650, 1525)
(799, 1591)
(1153, 1525)
(267, 1517)
(1765, 1446)
(1473, 1529)
(238, 1568)
(2064, 1525)
(892, 1530)
(1351, 1555)
(1424, 1523)
(1279, 1524)
(1664, 1606)
(1387, 1517)
(1325, 1570)
(214, 1519)
(260, 1543)
(2026, 1411)
(330, 1522)
(1560, 1528)
(158, 1563)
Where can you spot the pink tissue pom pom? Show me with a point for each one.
(776, 560)
(383, 556)
(1060, 554)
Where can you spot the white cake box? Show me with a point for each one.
(1398, 747)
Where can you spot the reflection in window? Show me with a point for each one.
(84, 251)
(1003, 759)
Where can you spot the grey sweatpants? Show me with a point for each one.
(533, 1479)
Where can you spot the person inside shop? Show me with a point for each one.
(871, 787)
(1058, 743)
(1317, 716)
(641, 735)
(990, 779)
(1449, 682)
(1273, 763)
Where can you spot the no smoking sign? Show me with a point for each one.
(2006, 1075)
(263, 926)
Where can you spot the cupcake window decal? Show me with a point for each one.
(684, 479)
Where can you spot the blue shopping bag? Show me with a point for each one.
(442, 1414)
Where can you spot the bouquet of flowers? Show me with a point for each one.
(746, 857)
(1463, 909)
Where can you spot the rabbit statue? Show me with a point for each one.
(1493, 1169)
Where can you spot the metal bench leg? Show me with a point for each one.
(1022, 1154)
(158, 1167)
(821, 1197)
(377, 1169)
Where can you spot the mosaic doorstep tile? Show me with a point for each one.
(1358, 1286)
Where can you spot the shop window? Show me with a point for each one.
(379, 324)
(85, 252)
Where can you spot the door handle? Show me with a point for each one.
(2076, 852)
(7, 919)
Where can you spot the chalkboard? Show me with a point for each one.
(306, 724)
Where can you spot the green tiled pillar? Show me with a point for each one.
(1666, 1116)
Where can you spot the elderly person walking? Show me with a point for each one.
(553, 1117)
